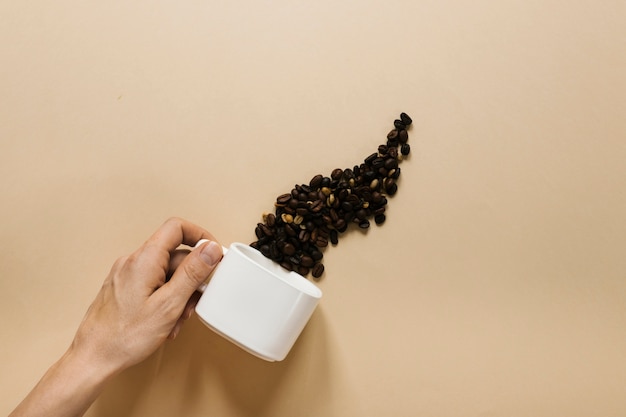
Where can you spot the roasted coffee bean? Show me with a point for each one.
(390, 186)
(317, 206)
(304, 235)
(392, 135)
(405, 149)
(379, 218)
(318, 270)
(379, 210)
(378, 163)
(283, 199)
(403, 136)
(321, 242)
(258, 232)
(270, 220)
(406, 119)
(307, 261)
(334, 237)
(267, 231)
(336, 174)
(346, 206)
(391, 163)
(382, 149)
(364, 224)
(316, 181)
(371, 158)
(287, 265)
(399, 125)
(303, 270)
(289, 249)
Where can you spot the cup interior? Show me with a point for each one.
(289, 277)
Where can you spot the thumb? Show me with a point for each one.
(194, 270)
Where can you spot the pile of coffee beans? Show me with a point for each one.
(315, 214)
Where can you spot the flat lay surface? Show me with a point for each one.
(496, 286)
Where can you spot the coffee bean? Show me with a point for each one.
(406, 119)
(399, 125)
(379, 218)
(392, 135)
(364, 224)
(316, 181)
(318, 270)
(307, 261)
(289, 249)
(283, 199)
(267, 231)
(336, 174)
(317, 206)
(390, 186)
(371, 158)
(270, 220)
(321, 242)
(403, 136)
(304, 236)
(391, 163)
(334, 237)
(405, 149)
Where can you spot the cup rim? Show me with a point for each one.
(290, 278)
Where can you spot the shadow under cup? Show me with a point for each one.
(256, 304)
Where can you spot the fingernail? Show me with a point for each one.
(211, 253)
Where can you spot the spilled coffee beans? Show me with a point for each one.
(311, 215)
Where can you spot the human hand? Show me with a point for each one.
(137, 308)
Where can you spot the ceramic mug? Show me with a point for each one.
(255, 303)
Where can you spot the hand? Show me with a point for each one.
(136, 310)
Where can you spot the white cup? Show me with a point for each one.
(255, 303)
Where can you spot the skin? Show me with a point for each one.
(133, 314)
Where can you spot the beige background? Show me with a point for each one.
(497, 285)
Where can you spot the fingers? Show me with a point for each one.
(187, 312)
(177, 257)
(176, 231)
(192, 271)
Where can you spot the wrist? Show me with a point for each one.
(67, 389)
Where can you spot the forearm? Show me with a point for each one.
(67, 389)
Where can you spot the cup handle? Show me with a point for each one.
(203, 286)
